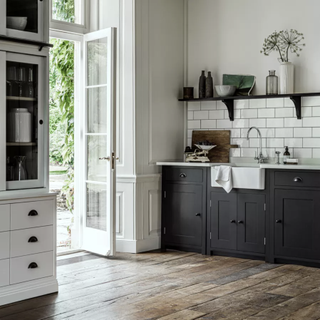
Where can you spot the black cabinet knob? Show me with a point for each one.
(240, 222)
(279, 221)
(33, 213)
(33, 239)
(183, 175)
(32, 265)
(232, 221)
(198, 214)
(297, 179)
(41, 121)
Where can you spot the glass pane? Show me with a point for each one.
(97, 110)
(96, 206)
(97, 62)
(22, 120)
(22, 15)
(97, 151)
(67, 10)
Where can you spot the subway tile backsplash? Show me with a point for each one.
(276, 119)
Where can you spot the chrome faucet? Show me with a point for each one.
(260, 157)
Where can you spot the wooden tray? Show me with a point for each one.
(221, 138)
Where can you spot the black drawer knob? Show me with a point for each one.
(232, 221)
(240, 222)
(33, 239)
(33, 265)
(279, 221)
(183, 175)
(33, 213)
(198, 214)
(297, 179)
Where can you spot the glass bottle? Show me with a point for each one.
(19, 172)
(272, 83)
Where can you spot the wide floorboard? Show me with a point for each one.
(174, 285)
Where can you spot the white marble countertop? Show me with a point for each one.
(242, 164)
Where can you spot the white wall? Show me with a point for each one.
(226, 36)
(150, 120)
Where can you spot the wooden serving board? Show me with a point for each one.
(221, 138)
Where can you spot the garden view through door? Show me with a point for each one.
(99, 143)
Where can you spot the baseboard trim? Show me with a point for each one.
(137, 246)
(27, 290)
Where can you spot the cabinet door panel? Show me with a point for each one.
(297, 224)
(182, 205)
(251, 230)
(223, 216)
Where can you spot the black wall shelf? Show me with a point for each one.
(229, 101)
(39, 44)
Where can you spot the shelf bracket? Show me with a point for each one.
(230, 106)
(297, 103)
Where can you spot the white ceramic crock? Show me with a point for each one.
(19, 125)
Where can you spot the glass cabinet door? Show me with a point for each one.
(24, 121)
(23, 19)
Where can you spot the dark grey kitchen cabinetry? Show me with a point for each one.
(236, 222)
(184, 208)
(295, 215)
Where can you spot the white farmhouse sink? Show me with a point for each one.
(243, 177)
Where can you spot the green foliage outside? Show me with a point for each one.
(63, 10)
(62, 100)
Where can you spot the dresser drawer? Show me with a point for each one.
(4, 217)
(31, 267)
(4, 245)
(184, 174)
(297, 179)
(32, 214)
(4, 274)
(30, 241)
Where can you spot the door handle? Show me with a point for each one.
(297, 179)
(240, 222)
(198, 214)
(183, 175)
(232, 221)
(279, 221)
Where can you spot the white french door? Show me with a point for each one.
(98, 143)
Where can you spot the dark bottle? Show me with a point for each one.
(209, 86)
(286, 155)
(202, 85)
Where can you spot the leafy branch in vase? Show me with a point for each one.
(283, 42)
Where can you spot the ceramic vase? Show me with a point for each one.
(202, 85)
(286, 75)
(209, 86)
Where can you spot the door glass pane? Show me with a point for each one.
(97, 110)
(22, 15)
(97, 151)
(22, 120)
(67, 11)
(96, 206)
(97, 62)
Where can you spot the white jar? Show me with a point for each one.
(19, 125)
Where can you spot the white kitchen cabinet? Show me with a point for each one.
(28, 249)
(25, 19)
(24, 99)
(27, 209)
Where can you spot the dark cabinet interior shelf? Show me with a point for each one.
(229, 101)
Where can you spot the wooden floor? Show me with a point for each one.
(174, 285)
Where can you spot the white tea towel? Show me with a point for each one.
(224, 177)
